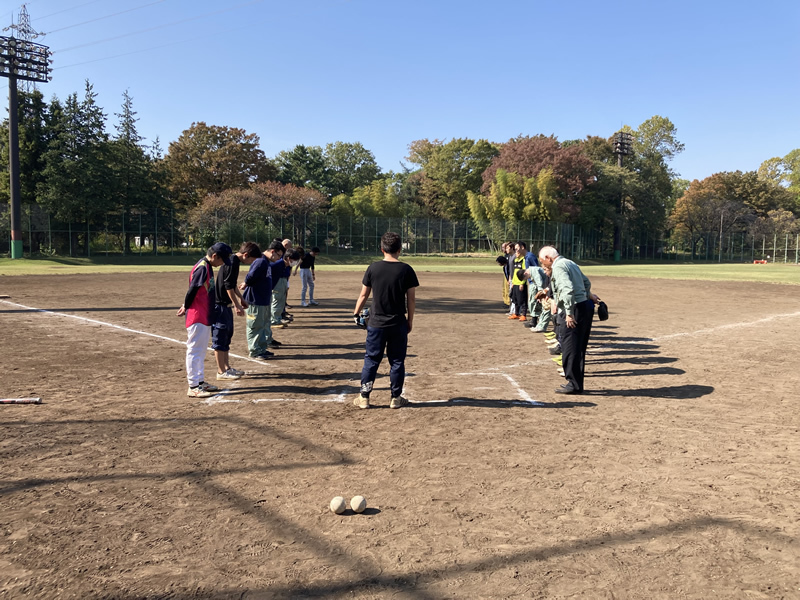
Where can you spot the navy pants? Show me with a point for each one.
(574, 343)
(394, 341)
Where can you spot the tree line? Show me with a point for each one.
(81, 174)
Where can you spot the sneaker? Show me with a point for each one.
(227, 375)
(236, 371)
(558, 361)
(555, 350)
(288, 306)
(266, 355)
(561, 372)
(361, 401)
(281, 325)
(549, 334)
(275, 344)
(513, 317)
(208, 387)
(287, 316)
(522, 318)
(313, 303)
(198, 392)
(304, 304)
(398, 402)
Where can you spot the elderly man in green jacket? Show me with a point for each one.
(572, 292)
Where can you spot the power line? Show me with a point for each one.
(122, 12)
(116, 37)
(68, 9)
(217, 33)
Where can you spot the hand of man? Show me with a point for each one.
(244, 304)
(239, 311)
(242, 285)
(181, 311)
(571, 322)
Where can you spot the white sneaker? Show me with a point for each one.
(229, 374)
(314, 303)
(198, 392)
(303, 304)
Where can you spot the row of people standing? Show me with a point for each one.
(210, 305)
(552, 289)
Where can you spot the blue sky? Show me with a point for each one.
(387, 73)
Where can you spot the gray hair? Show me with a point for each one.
(549, 252)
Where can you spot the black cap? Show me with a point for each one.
(223, 251)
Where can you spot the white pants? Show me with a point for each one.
(196, 347)
(307, 278)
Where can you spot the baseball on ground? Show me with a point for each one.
(338, 505)
(358, 504)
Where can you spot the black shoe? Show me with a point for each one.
(275, 344)
(555, 350)
(568, 389)
(288, 306)
(265, 355)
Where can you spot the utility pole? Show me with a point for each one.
(623, 144)
(23, 60)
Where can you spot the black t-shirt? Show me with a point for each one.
(307, 262)
(389, 281)
(227, 280)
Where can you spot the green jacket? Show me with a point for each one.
(569, 285)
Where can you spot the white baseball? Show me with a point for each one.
(358, 504)
(338, 505)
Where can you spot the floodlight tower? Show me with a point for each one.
(623, 145)
(22, 60)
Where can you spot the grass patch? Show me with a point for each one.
(772, 273)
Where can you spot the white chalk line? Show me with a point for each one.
(222, 398)
(524, 396)
(706, 331)
(121, 328)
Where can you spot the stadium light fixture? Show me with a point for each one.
(26, 61)
(623, 146)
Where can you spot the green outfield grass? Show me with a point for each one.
(771, 273)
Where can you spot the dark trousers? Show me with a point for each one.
(520, 299)
(574, 342)
(393, 340)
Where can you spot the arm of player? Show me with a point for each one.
(411, 301)
(234, 295)
(362, 299)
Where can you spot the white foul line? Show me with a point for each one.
(119, 327)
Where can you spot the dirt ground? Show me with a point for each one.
(676, 476)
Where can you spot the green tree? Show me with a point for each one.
(138, 184)
(449, 171)
(527, 156)
(31, 125)
(77, 179)
(303, 166)
(208, 159)
(349, 166)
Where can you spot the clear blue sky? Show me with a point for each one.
(387, 73)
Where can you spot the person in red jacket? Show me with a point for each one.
(198, 307)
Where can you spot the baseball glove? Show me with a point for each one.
(362, 319)
(602, 311)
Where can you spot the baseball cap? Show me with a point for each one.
(223, 251)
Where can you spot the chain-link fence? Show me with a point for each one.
(161, 232)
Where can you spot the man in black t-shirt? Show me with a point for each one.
(393, 286)
(227, 294)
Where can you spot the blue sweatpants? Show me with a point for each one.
(394, 341)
